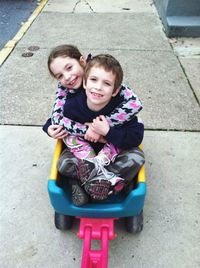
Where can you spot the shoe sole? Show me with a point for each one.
(101, 189)
(79, 197)
(98, 189)
(85, 171)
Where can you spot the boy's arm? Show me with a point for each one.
(130, 106)
(58, 118)
(128, 135)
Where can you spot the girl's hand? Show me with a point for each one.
(100, 125)
(56, 132)
(91, 135)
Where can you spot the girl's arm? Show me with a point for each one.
(124, 112)
(57, 118)
(130, 106)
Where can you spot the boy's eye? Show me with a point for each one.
(107, 84)
(93, 79)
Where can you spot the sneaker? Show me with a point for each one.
(79, 196)
(79, 147)
(104, 184)
(85, 170)
(89, 168)
(67, 164)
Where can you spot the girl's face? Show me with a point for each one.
(68, 71)
(99, 88)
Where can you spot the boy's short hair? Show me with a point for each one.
(63, 51)
(109, 63)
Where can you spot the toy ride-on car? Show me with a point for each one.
(96, 219)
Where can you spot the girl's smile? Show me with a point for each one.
(72, 84)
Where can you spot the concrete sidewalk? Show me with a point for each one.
(165, 74)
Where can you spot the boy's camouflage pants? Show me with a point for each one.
(126, 165)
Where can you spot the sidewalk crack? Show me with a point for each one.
(87, 3)
(84, 2)
(74, 8)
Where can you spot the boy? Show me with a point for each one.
(102, 80)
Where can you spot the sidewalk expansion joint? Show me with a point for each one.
(173, 130)
(146, 129)
(190, 85)
(133, 49)
(183, 69)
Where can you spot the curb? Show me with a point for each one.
(7, 49)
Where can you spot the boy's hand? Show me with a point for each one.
(91, 135)
(102, 140)
(100, 125)
(56, 132)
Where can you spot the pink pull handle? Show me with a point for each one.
(98, 229)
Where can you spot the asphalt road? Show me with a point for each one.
(12, 14)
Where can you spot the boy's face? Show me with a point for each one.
(68, 71)
(99, 88)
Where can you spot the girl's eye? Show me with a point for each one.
(59, 77)
(69, 68)
(93, 79)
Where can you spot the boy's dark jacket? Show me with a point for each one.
(125, 136)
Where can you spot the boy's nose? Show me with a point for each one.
(98, 86)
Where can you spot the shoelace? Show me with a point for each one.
(99, 165)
